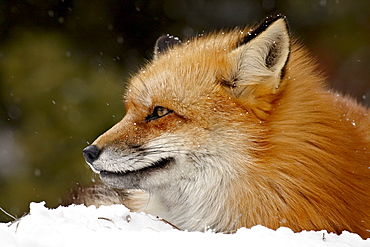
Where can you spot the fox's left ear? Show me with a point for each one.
(258, 64)
(164, 43)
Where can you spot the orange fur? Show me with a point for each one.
(269, 151)
(313, 159)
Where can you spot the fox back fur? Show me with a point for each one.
(236, 129)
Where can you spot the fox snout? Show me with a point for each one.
(91, 153)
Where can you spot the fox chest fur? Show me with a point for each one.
(237, 129)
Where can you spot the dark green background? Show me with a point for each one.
(64, 65)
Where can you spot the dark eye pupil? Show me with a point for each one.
(158, 112)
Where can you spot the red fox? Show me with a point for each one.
(235, 129)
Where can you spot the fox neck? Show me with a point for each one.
(187, 204)
(189, 209)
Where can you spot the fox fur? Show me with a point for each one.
(235, 129)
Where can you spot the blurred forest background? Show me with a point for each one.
(64, 65)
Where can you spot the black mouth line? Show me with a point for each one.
(160, 164)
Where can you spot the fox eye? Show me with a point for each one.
(158, 112)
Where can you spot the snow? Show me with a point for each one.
(77, 225)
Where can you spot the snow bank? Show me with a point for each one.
(78, 225)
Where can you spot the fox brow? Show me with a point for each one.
(135, 95)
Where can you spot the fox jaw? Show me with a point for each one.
(211, 138)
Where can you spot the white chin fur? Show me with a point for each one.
(92, 168)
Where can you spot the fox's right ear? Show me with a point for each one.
(258, 65)
(164, 43)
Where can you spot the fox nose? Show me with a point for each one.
(91, 153)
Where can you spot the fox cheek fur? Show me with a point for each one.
(237, 129)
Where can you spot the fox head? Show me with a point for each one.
(194, 120)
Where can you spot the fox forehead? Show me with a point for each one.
(186, 74)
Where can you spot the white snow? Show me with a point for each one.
(105, 226)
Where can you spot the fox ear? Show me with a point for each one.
(258, 64)
(164, 43)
